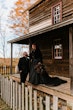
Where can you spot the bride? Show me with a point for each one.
(38, 74)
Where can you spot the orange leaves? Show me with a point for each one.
(20, 21)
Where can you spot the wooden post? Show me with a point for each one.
(29, 45)
(11, 58)
(1, 86)
(71, 57)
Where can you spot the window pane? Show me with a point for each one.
(57, 14)
(57, 49)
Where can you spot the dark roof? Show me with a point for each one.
(25, 39)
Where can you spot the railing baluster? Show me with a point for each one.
(47, 102)
(9, 92)
(13, 95)
(20, 99)
(55, 103)
(35, 99)
(23, 96)
(16, 96)
(26, 98)
(41, 103)
(11, 83)
(6, 90)
(30, 97)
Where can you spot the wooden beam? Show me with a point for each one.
(71, 57)
(11, 58)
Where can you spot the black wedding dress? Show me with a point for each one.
(38, 74)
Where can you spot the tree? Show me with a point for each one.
(3, 49)
(21, 49)
(20, 21)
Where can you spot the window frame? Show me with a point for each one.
(54, 56)
(52, 8)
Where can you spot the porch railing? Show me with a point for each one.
(27, 97)
(5, 70)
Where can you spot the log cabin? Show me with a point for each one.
(51, 27)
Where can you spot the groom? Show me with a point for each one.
(23, 66)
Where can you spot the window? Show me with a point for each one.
(58, 49)
(57, 13)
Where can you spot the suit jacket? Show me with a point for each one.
(23, 64)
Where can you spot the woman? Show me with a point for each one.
(38, 74)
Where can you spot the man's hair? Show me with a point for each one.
(25, 53)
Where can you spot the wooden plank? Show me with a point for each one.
(26, 98)
(70, 104)
(41, 103)
(11, 88)
(30, 98)
(44, 9)
(66, 95)
(16, 95)
(20, 97)
(23, 96)
(35, 99)
(13, 95)
(55, 103)
(3, 88)
(47, 103)
(7, 95)
(71, 57)
(9, 92)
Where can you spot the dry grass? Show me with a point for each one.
(3, 106)
(7, 61)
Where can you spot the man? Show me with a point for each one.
(23, 66)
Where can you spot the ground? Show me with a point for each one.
(3, 106)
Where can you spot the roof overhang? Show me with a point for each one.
(33, 5)
(25, 39)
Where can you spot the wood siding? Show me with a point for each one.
(42, 12)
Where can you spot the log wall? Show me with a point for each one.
(42, 12)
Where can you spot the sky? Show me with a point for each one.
(5, 8)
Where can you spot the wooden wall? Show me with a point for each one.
(43, 11)
(45, 42)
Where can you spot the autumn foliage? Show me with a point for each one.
(20, 20)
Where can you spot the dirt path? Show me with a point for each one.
(3, 106)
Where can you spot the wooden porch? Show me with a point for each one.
(30, 97)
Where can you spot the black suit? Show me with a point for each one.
(23, 66)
